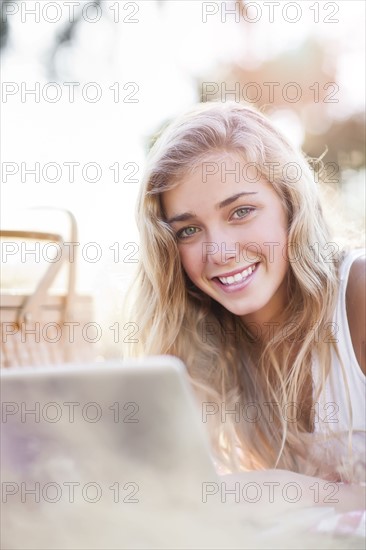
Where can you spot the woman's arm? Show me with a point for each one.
(356, 309)
(281, 491)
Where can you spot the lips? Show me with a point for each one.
(237, 281)
(236, 275)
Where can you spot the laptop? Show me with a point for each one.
(114, 455)
(106, 456)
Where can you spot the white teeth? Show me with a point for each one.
(237, 277)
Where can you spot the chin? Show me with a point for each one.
(238, 311)
(242, 310)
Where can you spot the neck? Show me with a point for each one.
(267, 321)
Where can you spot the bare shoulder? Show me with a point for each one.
(356, 309)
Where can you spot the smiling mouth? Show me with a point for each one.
(238, 277)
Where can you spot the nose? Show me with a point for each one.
(220, 250)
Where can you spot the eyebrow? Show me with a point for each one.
(190, 215)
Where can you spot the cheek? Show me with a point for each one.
(277, 231)
(280, 254)
(191, 260)
(269, 238)
(273, 237)
(281, 263)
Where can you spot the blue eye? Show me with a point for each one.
(243, 211)
(186, 232)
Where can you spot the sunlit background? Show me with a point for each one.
(150, 60)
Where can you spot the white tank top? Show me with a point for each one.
(332, 405)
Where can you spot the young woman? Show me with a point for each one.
(239, 278)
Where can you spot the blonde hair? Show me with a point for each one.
(225, 363)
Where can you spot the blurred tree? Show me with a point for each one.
(302, 81)
(66, 35)
(4, 25)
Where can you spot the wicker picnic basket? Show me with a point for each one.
(41, 328)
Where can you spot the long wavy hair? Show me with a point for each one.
(231, 369)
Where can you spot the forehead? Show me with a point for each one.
(213, 180)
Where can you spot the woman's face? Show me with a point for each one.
(227, 224)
